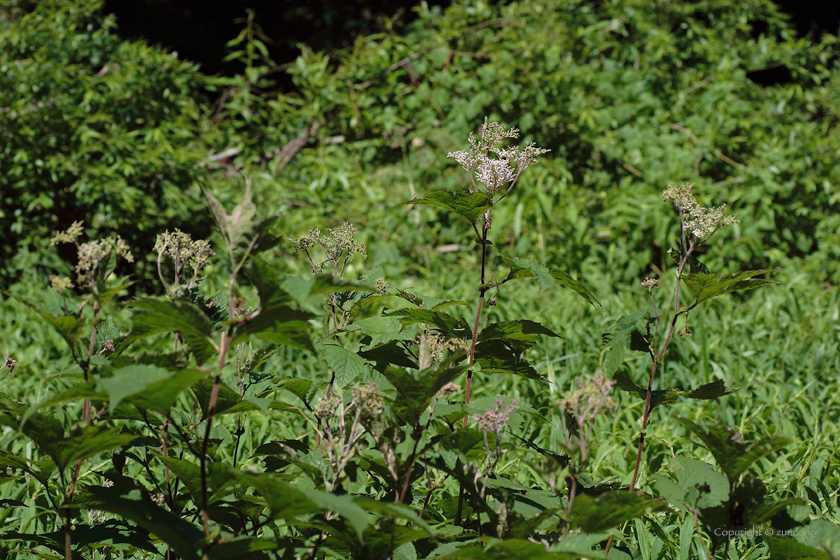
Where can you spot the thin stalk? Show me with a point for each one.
(481, 291)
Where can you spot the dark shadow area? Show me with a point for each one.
(198, 30)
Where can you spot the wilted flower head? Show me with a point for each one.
(368, 400)
(327, 405)
(495, 173)
(494, 420)
(590, 398)
(699, 221)
(9, 363)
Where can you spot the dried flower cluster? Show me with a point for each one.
(494, 420)
(368, 400)
(327, 405)
(9, 363)
(701, 222)
(591, 398)
(505, 168)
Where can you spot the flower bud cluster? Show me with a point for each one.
(494, 420)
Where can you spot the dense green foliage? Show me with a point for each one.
(259, 403)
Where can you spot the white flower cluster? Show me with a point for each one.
(701, 222)
(496, 172)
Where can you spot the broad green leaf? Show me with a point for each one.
(106, 296)
(630, 332)
(82, 443)
(347, 365)
(495, 357)
(161, 395)
(287, 501)
(130, 380)
(136, 505)
(786, 548)
(298, 387)
(391, 354)
(448, 325)
(466, 205)
(517, 335)
(730, 451)
(280, 325)
(593, 515)
(696, 484)
(708, 286)
(70, 327)
(244, 234)
(153, 316)
(529, 268)
(383, 329)
(515, 549)
(415, 392)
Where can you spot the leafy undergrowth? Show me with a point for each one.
(511, 411)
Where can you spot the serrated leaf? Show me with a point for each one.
(495, 357)
(415, 392)
(529, 268)
(382, 330)
(730, 451)
(152, 316)
(448, 325)
(136, 505)
(82, 443)
(709, 391)
(469, 206)
(708, 286)
(517, 335)
(347, 365)
(130, 380)
(390, 354)
(697, 484)
(227, 400)
(629, 332)
(161, 395)
(280, 325)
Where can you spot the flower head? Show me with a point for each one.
(697, 220)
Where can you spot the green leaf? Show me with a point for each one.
(466, 205)
(730, 451)
(593, 515)
(697, 484)
(390, 354)
(161, 395)
(244, 234)
(280, 325)
(152, 316)
(546, 278)
(517, 335)
(709, 391)
(84, 442)
(347, 365)
(708, 286)
(70, 327)
(382, 330)
(228, 401)
(130, 380)
(111, 533)
(415, 392)
(287, 501)
(448, 325)
(219, 476)
(784, 548)
(244, 547)
(495, 357)
(136, 505)
(630, 332)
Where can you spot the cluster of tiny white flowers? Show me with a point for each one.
(701, 222)
(495, 173)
